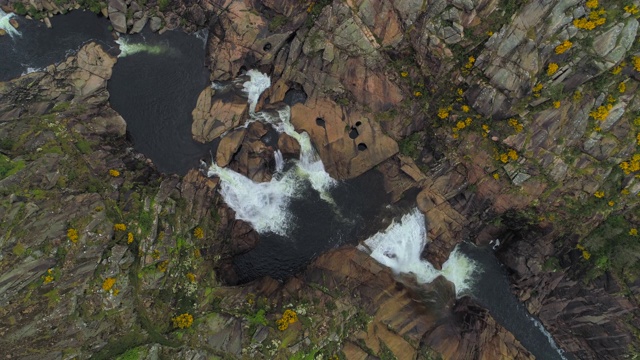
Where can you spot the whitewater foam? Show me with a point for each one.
(552, 342)
(264, 205)
(257, 84)
(127, 48)
(6, 25)
(399, 247)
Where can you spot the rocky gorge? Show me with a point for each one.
(499, 125)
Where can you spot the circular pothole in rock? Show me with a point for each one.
(320, 122)
(358, 123)
(362, 147)
(266, 47)
(353, 133)
(295, 95)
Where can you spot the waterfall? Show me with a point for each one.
(127, 48)
(279, 161)
(5, 24)
(264, 205)
(400, 245)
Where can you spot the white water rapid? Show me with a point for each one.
(265, 205)
(400, 245)
(5, 24)
(127, 48)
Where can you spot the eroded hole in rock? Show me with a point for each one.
(320, 122)
(362, 147)
(354, 133)
(243, 70)
(358, 123)
(295, 95)
(266, 47)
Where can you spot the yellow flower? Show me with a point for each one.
(490, 33)
(289, 317)
(108, 284)
(513, 155)
(577, 96)
(599, 194)
(538, 87)
(183, 321)
(404, 74)
(552, 69)
(485, 127)
(624, 192)
(631, 9)
(616, 70)
(129, 238)
(504, 158)
(459, 92)
(611, 203)
(622, 87)
(601, 113)
(460, 125)
(468, 121)
(465, 108)
(556, 104)
(638, 139)
(114, 172)
(591, 4)
(455, 135)
(611, 99)
(470, 62)
(116, 292)
(496, 176)
(198, 233)
(563, 47)
(580, 247)
(72, 234)
(443, 113)
(633, 232)
(586, 255)
(162, 267)
(417, 94)
(636, 63)
(120, 227)
(191, 277)
(597, 129)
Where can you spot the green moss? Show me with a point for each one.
(18, 249)
(61, 107)
(409, 145)
(9, 167)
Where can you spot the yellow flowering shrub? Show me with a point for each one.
(198, 233)
(591, 4)
(404, 74)
(631, 9)
(563, 47)
(191, 277)
(636, 62)
(633, 232)
(622, 87)
(443, 113)
(72, 234)
(556, 104)
(515, 125)
(48, 277)
(601, 112)
(465, 108)
(417, 94)
(513, 155)
(460, 125)
(289, 317)
(485, 130)
(470, 62)
(108, 283)
(504, 158)
(638, 139)
(586, 255)
(611, 203)
(120, 227)
(631, 165)
(129, 238)
(599, 194)
(162, 267)
(496, 176)
(183, 321)
(577, 96)
(114, 172)
(617, 70)
(459, 92)
(552, 69)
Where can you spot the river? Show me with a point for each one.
(302, 212)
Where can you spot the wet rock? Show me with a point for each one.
(138, 25)
(155, 23)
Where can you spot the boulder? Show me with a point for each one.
(229, 145)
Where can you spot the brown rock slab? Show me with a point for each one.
(213, 116)
(228, 146)
(348, 142)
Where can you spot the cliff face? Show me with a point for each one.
(508, 126)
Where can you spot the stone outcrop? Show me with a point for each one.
(214, 116)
